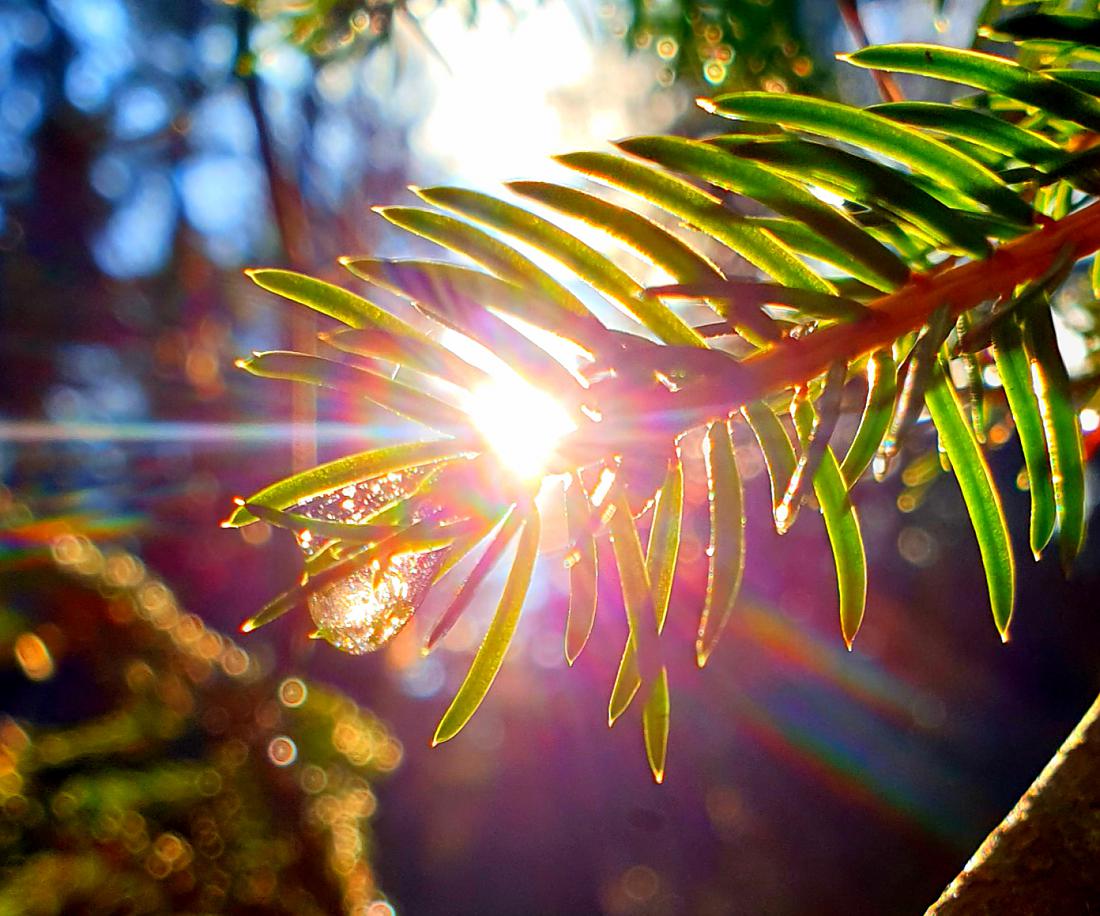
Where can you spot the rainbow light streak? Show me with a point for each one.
(24, 545)
(864, 751)
(800, 649)
(806, 748)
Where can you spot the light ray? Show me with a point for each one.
(34, 431)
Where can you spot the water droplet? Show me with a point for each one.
(357, 502)
(603, 487)
(367, 609)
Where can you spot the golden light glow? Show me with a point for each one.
(522, 424)
(33, 657)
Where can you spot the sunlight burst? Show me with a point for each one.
(522, 424)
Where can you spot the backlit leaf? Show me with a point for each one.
(334, 301)
(627, 681)
(661, 555)
(513, 521)
(653, 242)
(483, 249)
(975, 385)
(655, 722)
(842, 527)
(355, 532)
(870, 131)
(806, 303)
(583, 260)
(440, 284)
(436, 360)
(395, 396)
(464, 544)
(702, 210)
(979, 494)
(985, 71)
(778, 454)
(798, 238)
(784, 197)
(919, 370)
(348, 470)
(815, 443)
(582, 570)
(422, 538)
(454, 309)
(274, 609)
(727, 539)
(881, 390)
(664, 538)
(638, 603)
(976, 126)
(865, 182)
(1015, 374)
(493, 648)
(1061, 425)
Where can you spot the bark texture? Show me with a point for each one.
(1044, 858)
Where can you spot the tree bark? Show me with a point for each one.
(292, 224)
(1044, 858)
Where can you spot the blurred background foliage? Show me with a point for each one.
(155, 766)
(134, 184)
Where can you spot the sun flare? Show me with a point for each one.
(522, 424)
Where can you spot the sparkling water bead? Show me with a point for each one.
(364, 611)
(360, 614)
(357, 502)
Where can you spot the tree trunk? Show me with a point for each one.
(1044, 858)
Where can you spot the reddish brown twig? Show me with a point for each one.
(887, 85)
(716, 386)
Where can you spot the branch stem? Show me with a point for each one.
(729, 385)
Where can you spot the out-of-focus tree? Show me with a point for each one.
(155, 766)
